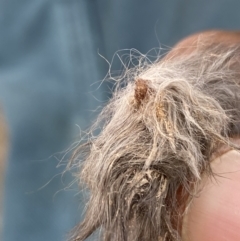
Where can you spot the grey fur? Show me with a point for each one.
(159, 133)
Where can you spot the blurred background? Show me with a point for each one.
(50, 70)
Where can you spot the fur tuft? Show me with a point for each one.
(147, 161)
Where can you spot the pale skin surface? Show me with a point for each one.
(215, 214)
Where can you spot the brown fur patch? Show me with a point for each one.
(141, 89)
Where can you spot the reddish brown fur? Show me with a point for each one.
(141, 89)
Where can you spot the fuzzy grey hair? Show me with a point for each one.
(158, 135)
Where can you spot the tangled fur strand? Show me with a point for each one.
(158, 135)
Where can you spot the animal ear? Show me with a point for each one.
(141, 89)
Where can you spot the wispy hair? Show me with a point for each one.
(158, 134)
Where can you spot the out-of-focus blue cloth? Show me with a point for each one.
(49, 66)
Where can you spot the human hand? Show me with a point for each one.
(215, 214)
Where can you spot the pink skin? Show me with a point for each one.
(190, 43)
(215, 214)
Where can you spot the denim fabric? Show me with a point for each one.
(48, 69)
(49, 82)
